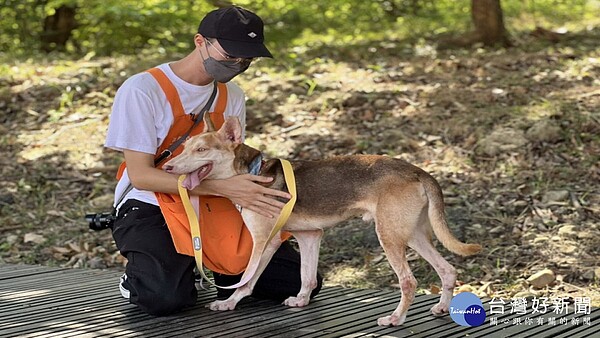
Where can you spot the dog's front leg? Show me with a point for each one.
(230, 303)
(309, 242)
(246, 289)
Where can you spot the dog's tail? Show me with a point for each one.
(437, 219)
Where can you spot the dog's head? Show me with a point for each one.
(210, 150)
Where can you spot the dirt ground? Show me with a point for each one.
(512, 136)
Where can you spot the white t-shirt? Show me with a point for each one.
(141, 117)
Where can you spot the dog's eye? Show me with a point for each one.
(201, 149)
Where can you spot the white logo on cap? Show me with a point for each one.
(252, 35)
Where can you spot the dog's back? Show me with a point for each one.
(335, 189)
(343, 178)
(334, 185)
(340, 187)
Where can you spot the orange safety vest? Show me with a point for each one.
(227, 243)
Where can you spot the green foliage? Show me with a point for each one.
(19, 19)
(341, 22)
(128, 26)
(104, 26)
(160, 26)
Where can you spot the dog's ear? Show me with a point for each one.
(231, 131)
(208, 125)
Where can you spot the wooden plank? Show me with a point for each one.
(309, 321)
(56, 296)
(153, 326)
(316, 322)
(417, 324)
(102, 303)
(573, 331)
(248, 320)
(524, 329)
(198, 316)
(479, 331)
(367, 318)
(60, 278)
(38, 302)
(136, 321)
(59, 286)
(17, 271)
(358, 324)
(512, 329)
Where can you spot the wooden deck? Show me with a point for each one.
(52, 302)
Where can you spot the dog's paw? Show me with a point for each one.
(296, 301)
(439, 309)
(222, 305)
(392, 320)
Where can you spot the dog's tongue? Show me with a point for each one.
(191, 180)
(194, 178)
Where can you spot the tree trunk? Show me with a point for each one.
(489, 27)
(489, 23)
(58, 28)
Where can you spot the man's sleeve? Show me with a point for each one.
(132, 123)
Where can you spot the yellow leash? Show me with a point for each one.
(286, 211)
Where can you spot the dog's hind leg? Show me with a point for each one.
(395, 250)
(399, 211)
(396, 254)
(309, 243)
(421, 243)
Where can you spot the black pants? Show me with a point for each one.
(161, 281)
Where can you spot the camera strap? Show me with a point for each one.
(165, 154)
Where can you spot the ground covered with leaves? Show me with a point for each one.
(512, 136)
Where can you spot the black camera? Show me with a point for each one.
(100, 221)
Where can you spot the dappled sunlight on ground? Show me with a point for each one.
(511, 136)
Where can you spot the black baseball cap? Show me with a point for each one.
(239, 31)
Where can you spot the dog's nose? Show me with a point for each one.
(168, 168)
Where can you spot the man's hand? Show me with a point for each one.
(244, 191)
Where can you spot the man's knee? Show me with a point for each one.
(157, 297)
(165, 304)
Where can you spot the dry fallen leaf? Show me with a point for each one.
(465, 288)
(33, 238)
(74, 247)
(61, 250)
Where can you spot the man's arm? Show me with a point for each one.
(241, 189)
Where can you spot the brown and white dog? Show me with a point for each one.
(405, 202)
